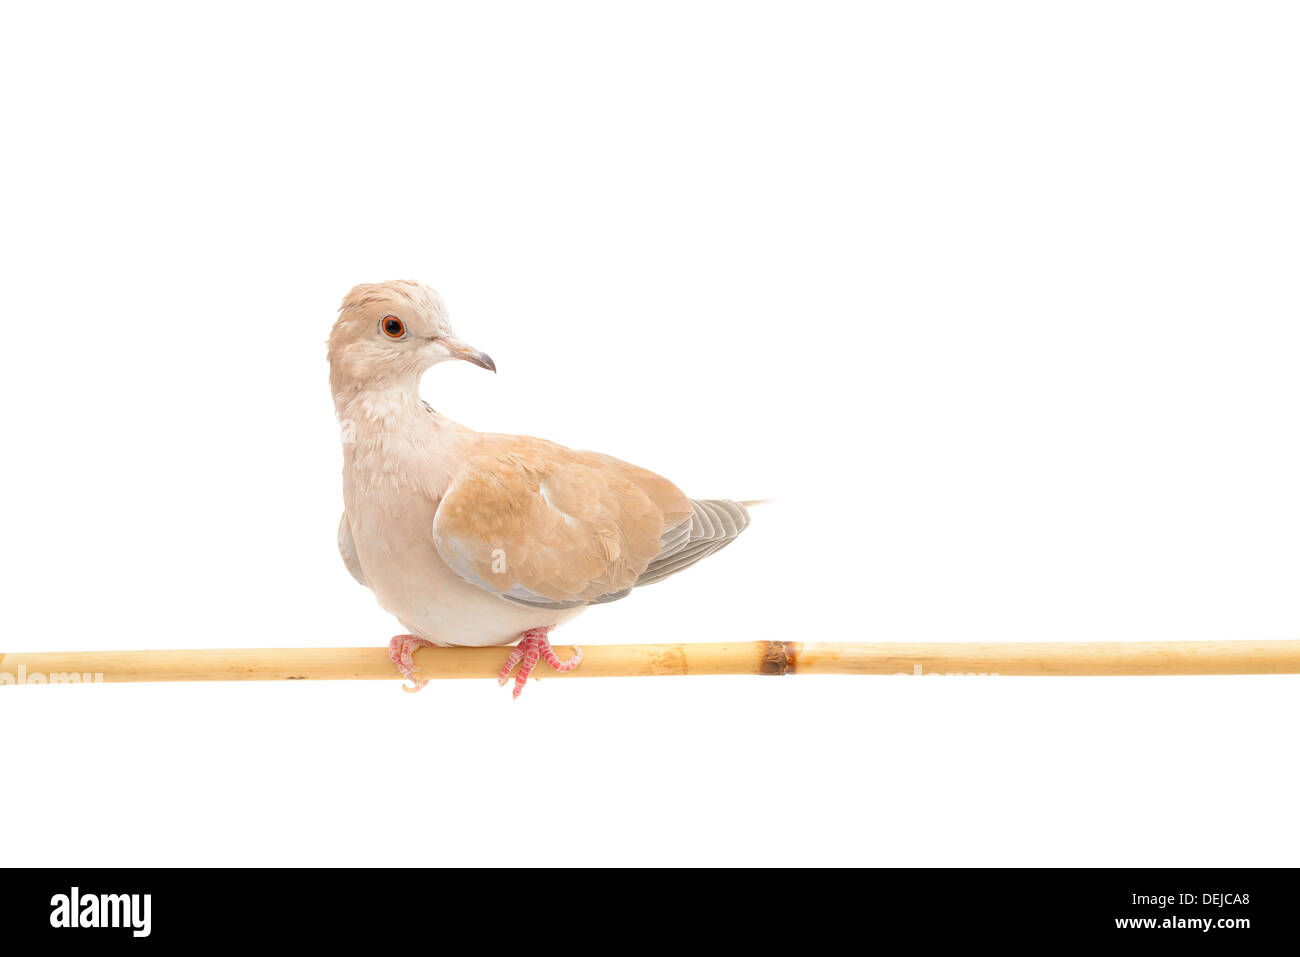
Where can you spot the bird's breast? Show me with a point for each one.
(392, 530)
(399, 462)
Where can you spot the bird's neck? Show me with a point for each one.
(392, 438)
(381, 407)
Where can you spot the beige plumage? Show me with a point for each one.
(476, 539)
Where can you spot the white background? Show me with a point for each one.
(998, 302)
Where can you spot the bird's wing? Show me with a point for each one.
(348, 549)
(713, 524)
(545, 526)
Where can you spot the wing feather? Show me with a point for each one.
(348, 549)
(548, 527)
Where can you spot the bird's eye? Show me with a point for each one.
(392, 327)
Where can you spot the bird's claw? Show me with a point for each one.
(533, 647)
(399, 650)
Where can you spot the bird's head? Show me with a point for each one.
(388, 333)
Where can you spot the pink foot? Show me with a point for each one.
(533, 646)
(399, 649)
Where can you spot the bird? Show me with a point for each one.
(476, 538)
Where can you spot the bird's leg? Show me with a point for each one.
(399, 649)
(534, 646)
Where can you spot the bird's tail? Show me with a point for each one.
(758, 501)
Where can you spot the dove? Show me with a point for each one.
(475, 538)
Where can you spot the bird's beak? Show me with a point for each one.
(461, 350)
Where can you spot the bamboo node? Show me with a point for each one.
(779, 658)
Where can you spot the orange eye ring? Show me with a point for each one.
(392, 327)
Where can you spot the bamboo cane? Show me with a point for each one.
(721, 658)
